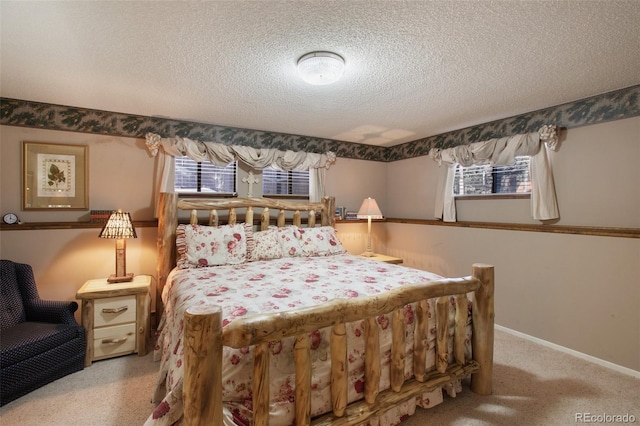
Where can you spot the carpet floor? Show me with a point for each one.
(533, 385)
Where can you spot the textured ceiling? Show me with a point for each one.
(413, 69)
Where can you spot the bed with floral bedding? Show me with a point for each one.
(279, 325)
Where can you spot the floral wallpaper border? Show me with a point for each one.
(623, 103)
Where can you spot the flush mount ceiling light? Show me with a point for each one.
(321, 68)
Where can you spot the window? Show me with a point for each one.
(485, 179)
(203, 177)
(278, 182)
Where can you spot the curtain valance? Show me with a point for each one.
(501, 152)
(221, 155)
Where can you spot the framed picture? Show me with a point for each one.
(54, 176)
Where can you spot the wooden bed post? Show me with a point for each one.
(202, 390)
(167, 223)
(461, 317)
(442, 334)
(328, 211)
(339, 369)
(482, 339)
(421, 341)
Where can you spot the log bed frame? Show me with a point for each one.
(204, 336)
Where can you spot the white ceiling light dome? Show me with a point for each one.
(321, 68)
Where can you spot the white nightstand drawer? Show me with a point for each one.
(117, 340)
(114, 310)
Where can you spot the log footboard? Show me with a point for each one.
(205, 338)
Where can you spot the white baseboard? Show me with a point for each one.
(581, 355)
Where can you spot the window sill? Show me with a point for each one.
(285, 197)
(206, 195)
(524, 196)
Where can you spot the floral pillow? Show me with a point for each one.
(320, 241)
(289, 239)
(266, 245)
(200, 246)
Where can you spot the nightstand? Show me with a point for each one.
(386, 259)
(116, 317)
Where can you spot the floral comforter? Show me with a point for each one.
(278, 285)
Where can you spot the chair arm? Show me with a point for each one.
(53, 311)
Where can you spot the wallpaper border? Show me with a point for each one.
(611, 106)
(616, 105)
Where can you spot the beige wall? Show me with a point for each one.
(596, 175)
(580, 292)
(120, 173)
(351, 181)
(120, 176)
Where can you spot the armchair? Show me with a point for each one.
(40, 340)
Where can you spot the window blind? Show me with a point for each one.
(204, 177)
(279, 182)
(486, 179)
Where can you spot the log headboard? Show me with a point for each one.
(168, 221)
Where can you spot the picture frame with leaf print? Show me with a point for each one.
(55, 176)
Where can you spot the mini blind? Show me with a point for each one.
(279, 182)
(486, 179)
(202, 177)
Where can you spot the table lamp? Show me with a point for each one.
(369, 210)
(119, 226)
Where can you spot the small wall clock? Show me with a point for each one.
(10, 218)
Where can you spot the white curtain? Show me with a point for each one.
(500, 152)
(221, 155)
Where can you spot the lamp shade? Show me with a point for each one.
(369, 209)
(119, 226)
(320, 68)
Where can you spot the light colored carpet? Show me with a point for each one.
(533, 385)
(114, 391)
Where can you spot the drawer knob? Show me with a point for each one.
(114, 310)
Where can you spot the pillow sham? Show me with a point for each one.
(200, 246)
(266, 245)
(289, 239)
(320, 241)
(248, 232)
